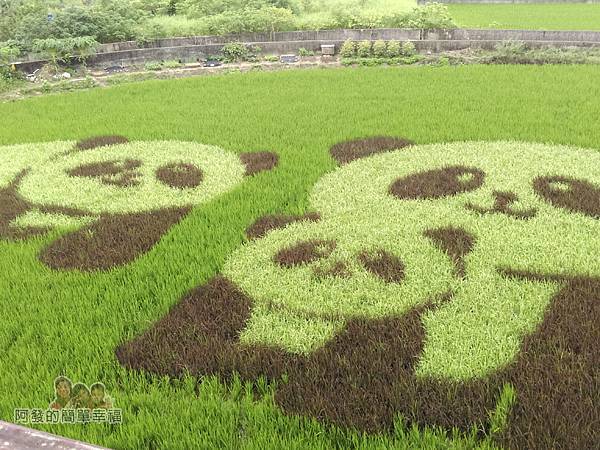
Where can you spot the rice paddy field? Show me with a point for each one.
(541, 16)
(344, 258)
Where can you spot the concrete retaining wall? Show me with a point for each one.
(282, 36)
(194, 48)
(341, 35)
(194, 52)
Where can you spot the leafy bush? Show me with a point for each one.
(106, 21)
(8, 51)
(235, 51)
(304, 52)
(408, 49)
(172, 64)
(348, 49)
(150, 31)
(158, 7)
(515, 52)
(429, 16)
(511, 48)
(380, 49)
(63, 50)
(154, 66)
(263, 20)
(355, 19)
(394, 49)
(364, 49)
(7, 72)
(147, 20)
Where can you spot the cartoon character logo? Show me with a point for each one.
(428, 278)
(113, 198)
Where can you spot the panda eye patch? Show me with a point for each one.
(568, 193)
(304, 252)
(120, 173)
(438, 183)
(180, 175)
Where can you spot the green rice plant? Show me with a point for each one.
(52, 182)
(57, 322)
(354, 201)
(540, 16)
(499, 418)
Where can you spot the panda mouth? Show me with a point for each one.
(504, 203)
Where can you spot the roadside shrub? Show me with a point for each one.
(364, 49)
(371, 62)
(408, 49)
(150, 31)
(7, 53)
(443, 61)
(354, 18)
(304, 52)
(380, 49)
(394, 49)
(157, 7)
(154, 66)
(515, 52)
(172, 64)
(348, 49)
(429, 16)
(63, 50)
(271, 58)
(235, 51)
(268, 19)
(106, 21)
(511, 48)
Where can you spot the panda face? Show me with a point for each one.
(134, 177)
(114, 198)
(402, 228)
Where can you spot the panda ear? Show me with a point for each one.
(100, 141)
(256, 162)
(348, 151)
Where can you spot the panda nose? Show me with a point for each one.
(504, 204)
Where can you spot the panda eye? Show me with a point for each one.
(569, 193)
(304, 252)
(180, 175)
(120, 173)
(438, 183)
